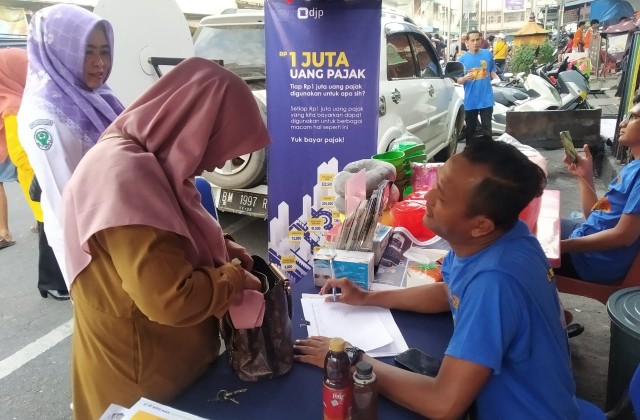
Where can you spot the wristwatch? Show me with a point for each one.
(355, 354)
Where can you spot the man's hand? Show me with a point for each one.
(238, 251)
(583, 167)
(312, 350)
(351, 292)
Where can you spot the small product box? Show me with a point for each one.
(380, 241)
(355, 265)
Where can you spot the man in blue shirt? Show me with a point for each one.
(509, 351)
(478, 94)
(602, 248)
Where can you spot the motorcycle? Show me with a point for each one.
(572, 85)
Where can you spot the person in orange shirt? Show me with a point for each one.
(578, 38)
(592, 29)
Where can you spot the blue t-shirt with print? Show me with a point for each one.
(507, 316)
(623, 197)
(478, 93)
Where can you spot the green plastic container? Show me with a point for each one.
(409, 148)
(394, 157)
(624, 351)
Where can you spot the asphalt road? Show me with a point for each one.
(35, 340)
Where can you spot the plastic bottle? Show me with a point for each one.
(576, 215)
(338, 386)
(365, 393)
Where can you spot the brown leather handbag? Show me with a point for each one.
(267, 351)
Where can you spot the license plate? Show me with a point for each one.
(243, 202)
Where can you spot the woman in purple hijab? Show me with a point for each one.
(65, 108)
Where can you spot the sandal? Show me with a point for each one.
(4, 243)
(574, 330)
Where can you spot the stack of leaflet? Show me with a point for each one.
(360, 225)
(370, 328)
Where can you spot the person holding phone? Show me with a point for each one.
(601, 248)
(509, 352)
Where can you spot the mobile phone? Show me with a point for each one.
(418, 361)
(569, 149)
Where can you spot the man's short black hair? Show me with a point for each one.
(580, 24)
(594, 22)
(636, 100)
(513, 181)
(473, 31)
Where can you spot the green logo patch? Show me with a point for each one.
(43, 139)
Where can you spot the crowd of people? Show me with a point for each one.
(124, 234)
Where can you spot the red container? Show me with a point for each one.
(416, 196)
(409, 214)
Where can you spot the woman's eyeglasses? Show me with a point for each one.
(630, 117)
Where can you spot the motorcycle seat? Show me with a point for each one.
(508, 96)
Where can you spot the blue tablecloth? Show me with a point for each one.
(298, 394)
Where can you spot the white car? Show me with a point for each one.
(415, 95)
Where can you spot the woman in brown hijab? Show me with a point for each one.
(149, 267)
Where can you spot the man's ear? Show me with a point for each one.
(482, 226)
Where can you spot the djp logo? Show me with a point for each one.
(306, 13)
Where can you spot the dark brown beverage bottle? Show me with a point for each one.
(338, 386)
(365, 393)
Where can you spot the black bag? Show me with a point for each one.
(267, 351)
(35, 192)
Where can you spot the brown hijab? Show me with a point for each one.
(141, 171)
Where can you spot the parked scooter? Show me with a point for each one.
(572, 85)
(534, 94)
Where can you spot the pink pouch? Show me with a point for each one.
(249, 313)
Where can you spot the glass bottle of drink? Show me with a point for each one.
(365, 393)
(338, 386)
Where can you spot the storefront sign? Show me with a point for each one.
(322, 110)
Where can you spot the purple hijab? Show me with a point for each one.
(56, 45)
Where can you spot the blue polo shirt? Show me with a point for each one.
(478, 93)
(507, 317)
(623, 197)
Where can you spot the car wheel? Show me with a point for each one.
(451, 148)
(245, 171)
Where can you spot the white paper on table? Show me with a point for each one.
(145, 408)
(397, 346)
(366, 327)
(423, 255)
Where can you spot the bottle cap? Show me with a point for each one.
(364, 368)
(336, 344)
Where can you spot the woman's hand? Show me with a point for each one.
(251, 282)
(313, 350)
(583, 168)
(351, 293)
(238, 251)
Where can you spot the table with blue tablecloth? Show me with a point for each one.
(298, 394)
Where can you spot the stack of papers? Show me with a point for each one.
(370, 328)
(146, 409)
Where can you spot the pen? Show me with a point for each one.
(333, 275)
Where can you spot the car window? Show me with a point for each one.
(427, 61)
(241, 48)
(400, 61)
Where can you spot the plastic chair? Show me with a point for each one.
(597, 291)
(590, 411)
(206, 196)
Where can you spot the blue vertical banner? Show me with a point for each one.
(323, 60)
